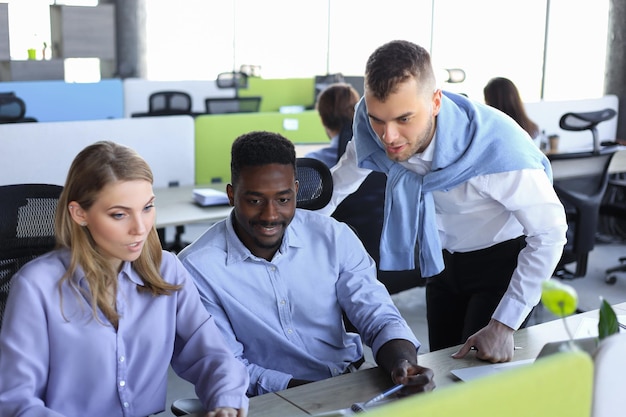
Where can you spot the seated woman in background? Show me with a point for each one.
(90, 328)
(502, 94)
(335, 105)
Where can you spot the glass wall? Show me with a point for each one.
(197, 39)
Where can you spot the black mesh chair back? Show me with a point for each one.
(233, 79)
(587, 121)
(26, 228)
(316, 184)
(225, 105)
(164, 103)
(580, 181)
(345, 136)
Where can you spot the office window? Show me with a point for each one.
(197, 39)
(489, 38)
(189, 39)
(356, 30)
(577, 43)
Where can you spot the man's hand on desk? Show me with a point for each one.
(399, 358)
(415, 378)
(493, 343)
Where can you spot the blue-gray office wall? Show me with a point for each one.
(55, 101)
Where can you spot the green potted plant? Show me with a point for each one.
(562, 300)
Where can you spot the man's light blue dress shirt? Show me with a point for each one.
(283, 318)
(57, 362)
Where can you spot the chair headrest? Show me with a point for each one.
(586, 120)
(315, 184)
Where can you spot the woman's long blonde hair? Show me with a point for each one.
(95, 167)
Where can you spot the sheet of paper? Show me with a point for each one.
(474, 372)
(588, 327)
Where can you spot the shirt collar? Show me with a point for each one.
(238, 252)
(427, 155)
(127, 272)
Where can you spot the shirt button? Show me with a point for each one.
(122, 358)
(122, 383)
(282, 302)
(126, 405)
(289, 331)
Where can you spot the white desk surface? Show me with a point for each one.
(175, 206)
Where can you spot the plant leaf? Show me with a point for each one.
(607, 324)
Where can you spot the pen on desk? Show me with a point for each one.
(514, 348)
(359, 407)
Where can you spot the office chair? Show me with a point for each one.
(581, 181)
(26, 228)
(170, 103)
(166, 103)
(587, 121)
(613, 217)
(314, 192)
(233, 79)
(224, 105)
(177, 244)
(581, 190)
(13, 109)
(316, 184)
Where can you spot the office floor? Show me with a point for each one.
(411, 303)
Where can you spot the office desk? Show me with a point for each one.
(341, 391)
(176, 207)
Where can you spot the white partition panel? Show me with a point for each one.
(43, 152)
(137, 91)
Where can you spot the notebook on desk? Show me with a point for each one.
(209, 197)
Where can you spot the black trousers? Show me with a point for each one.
(461, 299)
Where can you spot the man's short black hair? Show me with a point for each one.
(260, 148)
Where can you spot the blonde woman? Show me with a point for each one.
(91, 327)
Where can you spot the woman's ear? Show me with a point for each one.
(77, 213)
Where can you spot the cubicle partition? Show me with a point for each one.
(277, 93)
(56, 100)
(43, 152)
(216, 133)
(137, 91)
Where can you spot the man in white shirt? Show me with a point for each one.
(467, 186)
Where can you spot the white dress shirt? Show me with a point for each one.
(484, 211)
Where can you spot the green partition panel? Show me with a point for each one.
(281, 92)
(557, 385)
(214, 135)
